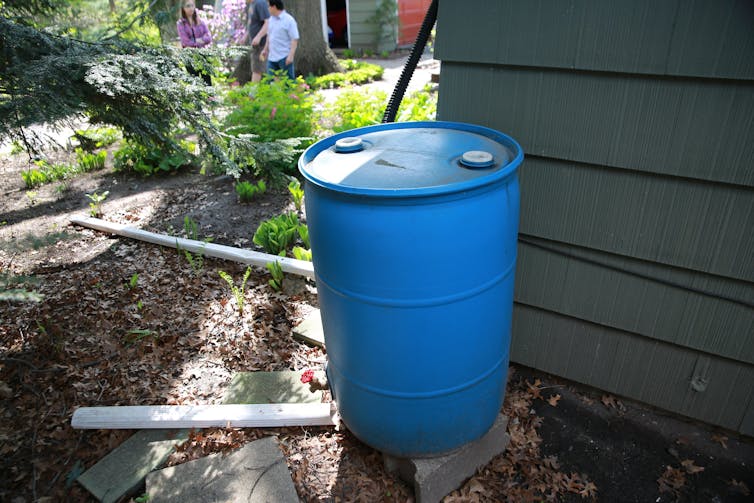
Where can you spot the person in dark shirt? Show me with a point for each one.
(257, 15)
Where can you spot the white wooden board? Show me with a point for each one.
(203, 416)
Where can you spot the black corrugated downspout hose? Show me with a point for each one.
(413, 59)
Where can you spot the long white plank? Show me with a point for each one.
(294, 266)
(203, 416)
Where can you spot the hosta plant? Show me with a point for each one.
(276, 234)
(247, 191)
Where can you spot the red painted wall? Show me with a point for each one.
(411, 14)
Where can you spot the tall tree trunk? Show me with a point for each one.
(112, 5)
(242, 71)
(313, 55)
(166, 24)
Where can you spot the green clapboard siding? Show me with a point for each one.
(363, 32)
(678, 222)
(642, 369)
(638, 297)
(636, 247)
(690, 128)
(747, 425)
(661, 37)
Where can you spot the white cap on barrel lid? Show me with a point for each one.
(477, 159)
(349, 144)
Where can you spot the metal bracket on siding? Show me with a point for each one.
(700, 377)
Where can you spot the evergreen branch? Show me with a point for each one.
(24, 8)
(132, 23)
(52, 79)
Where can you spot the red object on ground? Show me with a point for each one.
(307, 376)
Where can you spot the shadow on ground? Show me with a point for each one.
(625, 447)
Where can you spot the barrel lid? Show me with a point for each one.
(411, 158)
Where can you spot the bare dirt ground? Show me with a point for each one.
(176, 337)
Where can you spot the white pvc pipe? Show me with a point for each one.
(294, 266)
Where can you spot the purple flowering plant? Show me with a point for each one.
(227, 25)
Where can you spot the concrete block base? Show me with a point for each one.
(434, 478)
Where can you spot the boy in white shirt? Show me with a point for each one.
(282, 40)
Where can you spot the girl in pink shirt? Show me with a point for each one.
(193, 32)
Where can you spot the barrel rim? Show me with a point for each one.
(506, 171)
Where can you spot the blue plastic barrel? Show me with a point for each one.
(413, 230)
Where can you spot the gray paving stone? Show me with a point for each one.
(310, 330)
(123, 470)
(255, 473)
(434, 478)
(270, 387)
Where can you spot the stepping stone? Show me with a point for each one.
(271, 387)
(310, 330)
(123, 470)
(255, 473)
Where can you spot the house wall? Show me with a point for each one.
(411, 14)
(636, 252)
(362, 31)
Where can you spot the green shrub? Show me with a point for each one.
(297, 193)
(277, 275)
(149, 160)
(94, 138)
(276, 234)
(46, 173)
(190, 228)
(418, 106)
(196, 259)
(95, 203)
(273, 161)
(356, 108)
(329, 81)
(270, 125)
(247, 191)
(90, 161)
(302, 253)
(356, 73)
(238, 292)
(303, 233)
(33, 178)
(271, 110)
